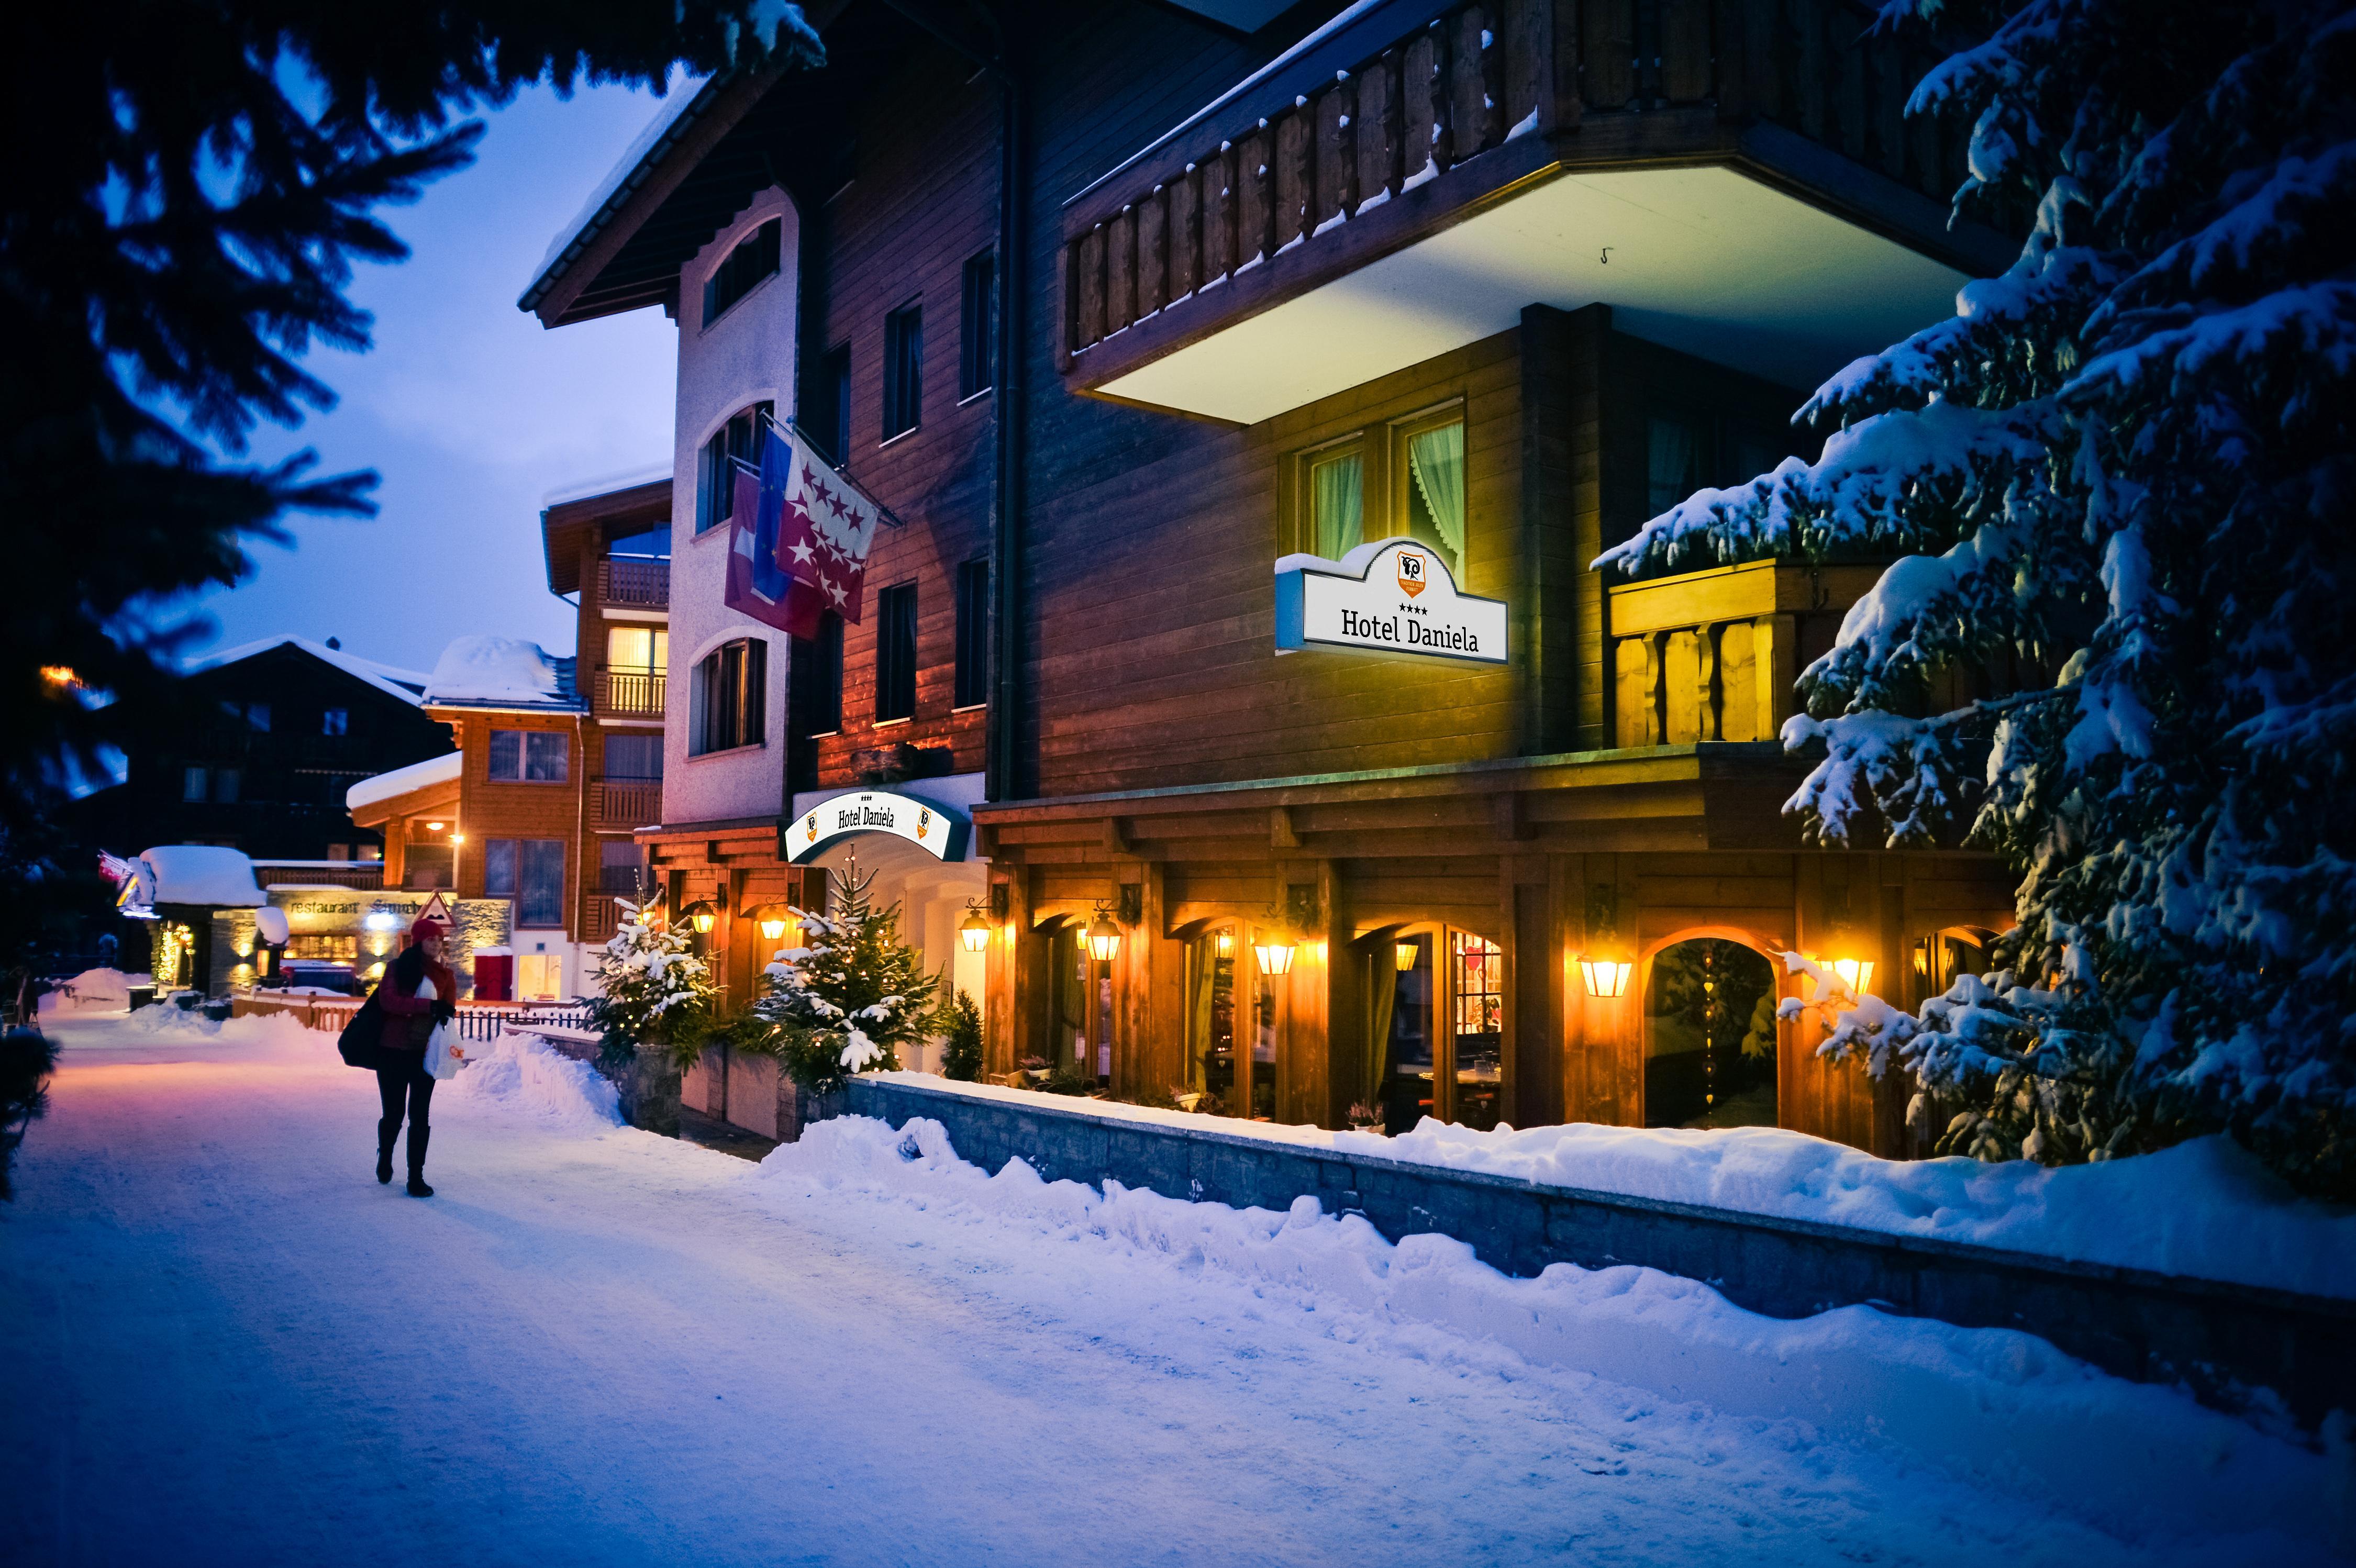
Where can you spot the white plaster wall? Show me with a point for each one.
(746, 357)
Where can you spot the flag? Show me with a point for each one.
(757, 586)
(825, 523)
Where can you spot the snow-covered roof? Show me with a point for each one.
(401, 780)
(499, 671)
(628, 480)
(197, 874)
(409, 685)
(645, 151)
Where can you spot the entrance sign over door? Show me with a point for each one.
(937, 830)
(1391, 596)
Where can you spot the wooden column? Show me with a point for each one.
(1011, 983)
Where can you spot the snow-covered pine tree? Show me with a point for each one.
(961, 1047)
(847, 1000)
(2128, 461)
(656, 990)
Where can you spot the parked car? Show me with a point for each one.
(319, 975)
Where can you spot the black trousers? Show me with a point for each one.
(413, 1082)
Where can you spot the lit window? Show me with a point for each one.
(729, 703)
(637, 648)
(1337, 503)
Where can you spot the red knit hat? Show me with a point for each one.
(428, 925)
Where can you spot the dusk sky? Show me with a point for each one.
(469, 410)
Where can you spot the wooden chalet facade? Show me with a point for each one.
(1497, 282)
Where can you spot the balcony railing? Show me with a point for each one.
(1712, 655)
(1310, 153)
(626, 802)
(600, 917)
(368, 875)
(642, 584)
(630, 694)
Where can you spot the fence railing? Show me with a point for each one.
(368, 875)
(634, 694)
(600, 916)
(626, 802)
(645, 584)
(1408, 90)
(477, 1021)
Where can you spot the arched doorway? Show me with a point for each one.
(1710, 1035)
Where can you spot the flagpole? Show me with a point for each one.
(786, 426)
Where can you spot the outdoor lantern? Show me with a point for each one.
(1224, 943)
(434, 827)
(773, 925)
(1104, 937)
(702, 918)
(1857, 973)
(1404, 955)
(1606, 977)
(974, 929)
(1275, 954)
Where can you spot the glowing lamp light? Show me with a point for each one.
(1404, 954)
(1275, 954)
(1103, 939)
(1223, 944)
(1857, 973)
(773, 926)
(382, 920)
(60, 675)
(435, 827)
(1606, 977)
(702, 918)
(973, 931)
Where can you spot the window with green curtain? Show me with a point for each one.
(1435, 458)
(1337, 502)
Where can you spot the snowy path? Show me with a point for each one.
(610, 1348)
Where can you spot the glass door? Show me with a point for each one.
(1211, 1023)
(1477, 1042)
(1403, 991)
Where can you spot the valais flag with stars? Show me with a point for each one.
(799, 539)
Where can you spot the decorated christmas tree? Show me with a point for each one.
(961, 1049)
(656, 990)
(849, 997)
(2115, 646)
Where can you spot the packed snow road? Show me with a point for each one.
(595, 1346)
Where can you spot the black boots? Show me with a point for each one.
(386, 1131)
(418, 1138)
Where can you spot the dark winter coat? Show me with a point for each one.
(409, 1017)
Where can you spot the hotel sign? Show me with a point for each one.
(1391, 596)
(937, 830)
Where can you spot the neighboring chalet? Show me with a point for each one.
(276, 731)
(1447, 298)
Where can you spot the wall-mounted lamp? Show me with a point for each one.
(457, 838)
(1857, 973)
(1275, 953)
(973, 931)
(773, 924)
(1404, 954)
(1223, 943)
(435, 827)
(1605, 976)
(702, 920)
(1103, 937)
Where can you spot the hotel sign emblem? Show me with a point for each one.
(1390, 596)
(938, 830)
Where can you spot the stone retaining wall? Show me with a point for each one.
(2218, 1340)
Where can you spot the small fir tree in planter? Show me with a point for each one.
(845, 1002)
(656, 992)
(961, 1054)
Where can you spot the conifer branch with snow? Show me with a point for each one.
(849, 997)
(656, 992)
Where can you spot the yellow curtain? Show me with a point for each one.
(1202, 967)
(1382, 1002)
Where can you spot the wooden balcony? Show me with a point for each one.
(634, 584)
(1418, 115)
(1712, 655)
(600, 917)
(630, 694)
(622, 803)
(365, 876)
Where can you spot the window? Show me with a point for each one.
(904, 370)
(335, 721)
(340, 852)
(647, 545)
(1673, 462)
(1337, 503)
(972, 634)
(829, 398)
(730, 698)
(813, 699)
(640, 648)
(530, 756)
(225, 783)
(755, 258)
(1428, 465)
(622, 867)
(194, 783)
(738, 441)
(895, 653)
(539, 977)
(634, 756)
(977, 327)
(531, 872)
(427, 866)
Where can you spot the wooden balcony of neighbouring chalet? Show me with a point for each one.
(600, 917)
(365, 876)
(620, 804)
(1735, 177)
(629, 693)
(634, 583)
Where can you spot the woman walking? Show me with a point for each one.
(418, 991)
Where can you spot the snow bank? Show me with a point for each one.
(195, 874)
(2000, 1406)
(401, 780)
(2204, 1209)
(92, 991)
(523, 1072)
(493, 669)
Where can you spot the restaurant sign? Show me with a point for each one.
(1390, 596)
(938, 830)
